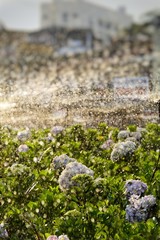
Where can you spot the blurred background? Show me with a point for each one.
(79, 61)
(25, 14)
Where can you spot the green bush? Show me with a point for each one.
(32, 206)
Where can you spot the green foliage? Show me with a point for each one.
(32, 206)
(132, 128)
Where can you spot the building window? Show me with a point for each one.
(65, 17)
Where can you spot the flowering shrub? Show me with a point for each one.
(108, 144)
(17, 169)
(23, 135)
(36, 203)
(57, 129)
(72, 169)
(122, 150)
(135, 187)
(23, 148)
(123, 134)
(63, 237)
(139, 208)
(60, 162)
(3, 232)
(54, 237)
(137, 135)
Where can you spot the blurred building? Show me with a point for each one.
(81, 14)
(65, 41)
(2, 27)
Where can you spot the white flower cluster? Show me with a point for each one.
(23, 135)
(63, 237)
(134, 187)
(3, 232)
(23, 148)
(72, 169)
(54, 237)
(60, 162)
(122, 150)
(57, 129)
(139, 207)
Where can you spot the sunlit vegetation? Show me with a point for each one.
(66, 182)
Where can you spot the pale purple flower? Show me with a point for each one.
(52, 237)
(135, 215)
(23, 148)
(130, 147)
(137, 135)
(60, 162)
(123, 134)
(107, 144)
(3, 232)
(148, 201)
(134, 187)
(57, 129)
(139, 208)
(132, 139)
(122, 149)
(72, 169)
(23, 135)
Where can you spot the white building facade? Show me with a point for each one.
(81, 14)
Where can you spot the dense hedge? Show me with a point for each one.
(33, 206)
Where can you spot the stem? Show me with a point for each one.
(40, 158)
(34, 228)
(156, 166)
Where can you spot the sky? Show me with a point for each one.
(25, 14)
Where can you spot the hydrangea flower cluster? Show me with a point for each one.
(135, 187)
(23, 135)
(17, 169)
(57, 129)
(60, 162)
(3, 232)
(108, 144)
(54, 237)
(123, 134)
(136, 135)
(71, 170)
(139, 207)
(23, 148)
(122, 150)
